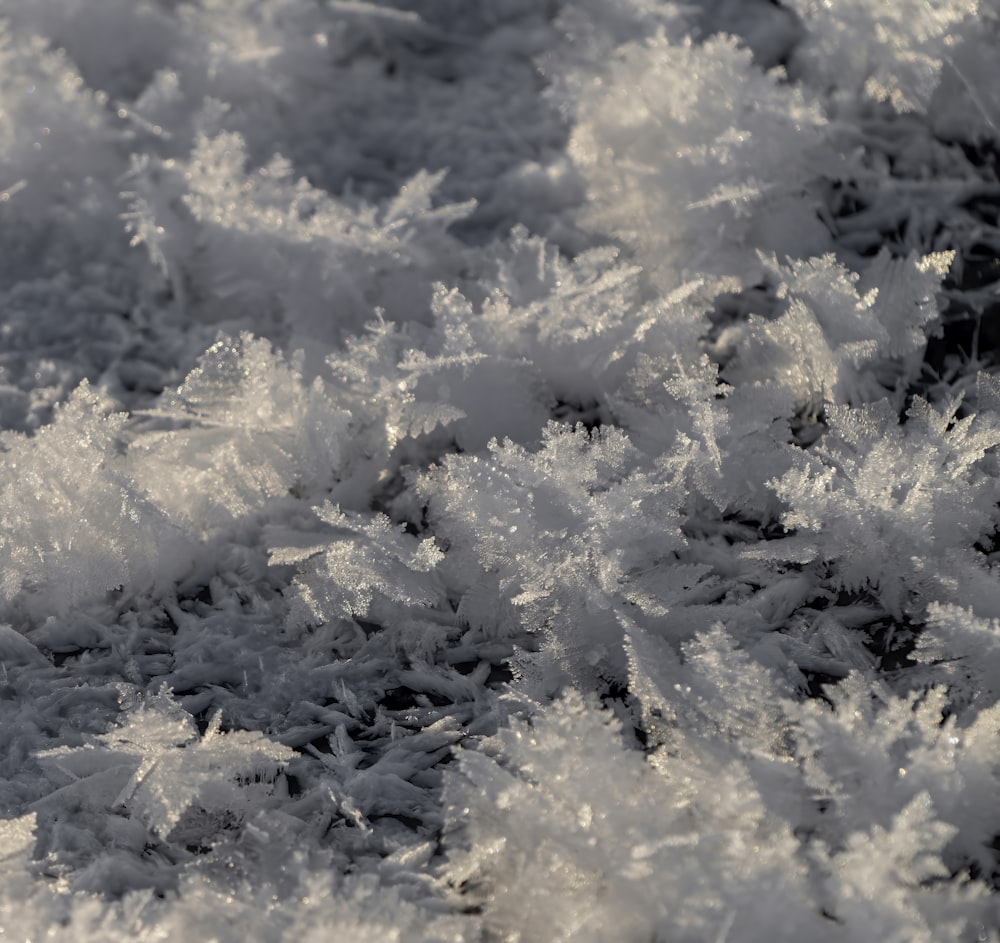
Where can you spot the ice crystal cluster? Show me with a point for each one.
(512, 471)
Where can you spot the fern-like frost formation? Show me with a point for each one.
(499, 472)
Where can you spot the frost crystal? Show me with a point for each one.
(74, 523)
(893, 52)
(245, 428)
(176, 768)
(724, 137)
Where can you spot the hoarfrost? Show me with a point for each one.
(499, 471)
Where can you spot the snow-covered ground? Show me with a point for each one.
(500, 470)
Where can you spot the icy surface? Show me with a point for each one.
(510, 471)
